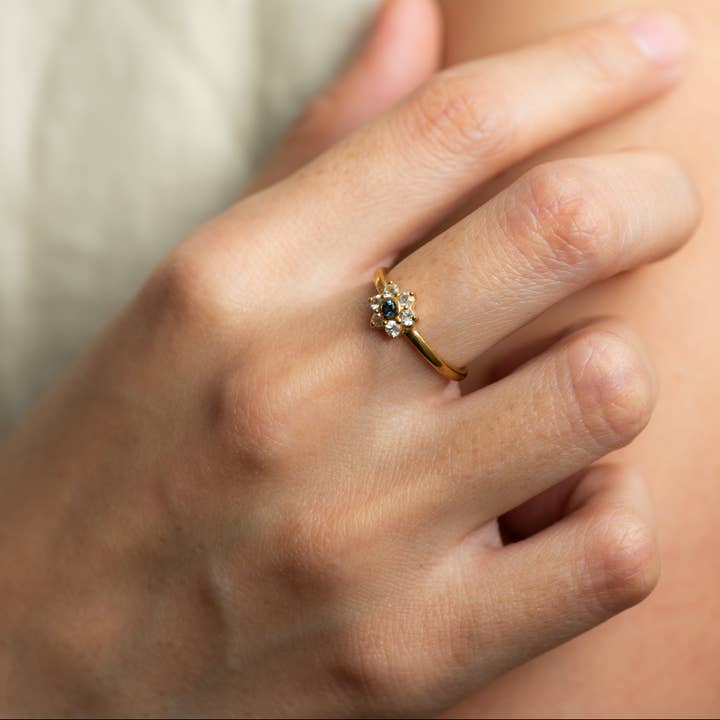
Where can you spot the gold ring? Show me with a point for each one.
(393, 310)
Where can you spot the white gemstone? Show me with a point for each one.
(391, 290)
(376, 320)
(407, 317)
(393, 328)
(406, 298)
(375, 302)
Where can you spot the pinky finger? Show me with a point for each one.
(596, 561)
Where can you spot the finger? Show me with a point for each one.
(502, 445)
(562, 226)
(391, 181)
(401, 50)
(529, 597)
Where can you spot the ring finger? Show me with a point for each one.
(561, 227)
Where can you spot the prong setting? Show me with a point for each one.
(393, 310)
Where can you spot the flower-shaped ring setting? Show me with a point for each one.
(393, 310)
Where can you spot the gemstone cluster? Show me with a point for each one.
(393, 310)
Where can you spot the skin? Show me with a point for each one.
(661, 659)
(223, 510)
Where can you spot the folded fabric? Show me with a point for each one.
(123, 125)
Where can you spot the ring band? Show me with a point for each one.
(393, 310)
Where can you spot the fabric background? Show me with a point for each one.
(124, 124)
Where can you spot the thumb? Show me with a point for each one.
(400, 51)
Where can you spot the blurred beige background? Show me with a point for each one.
(124, 124)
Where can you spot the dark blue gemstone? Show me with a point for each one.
(388, 309)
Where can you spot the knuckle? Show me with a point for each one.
(308, 550)
(261, 410)
(370, 670)
(611, 387)
(176, 285)
(393, 663)
(314, 123)
(313, 552)
(620, 560)
(246, 421)
(559, 221)
(451, 118)
(187, 288)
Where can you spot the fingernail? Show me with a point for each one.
(661, 38)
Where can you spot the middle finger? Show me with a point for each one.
(388, 184)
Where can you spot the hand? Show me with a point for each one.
(244, 500)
